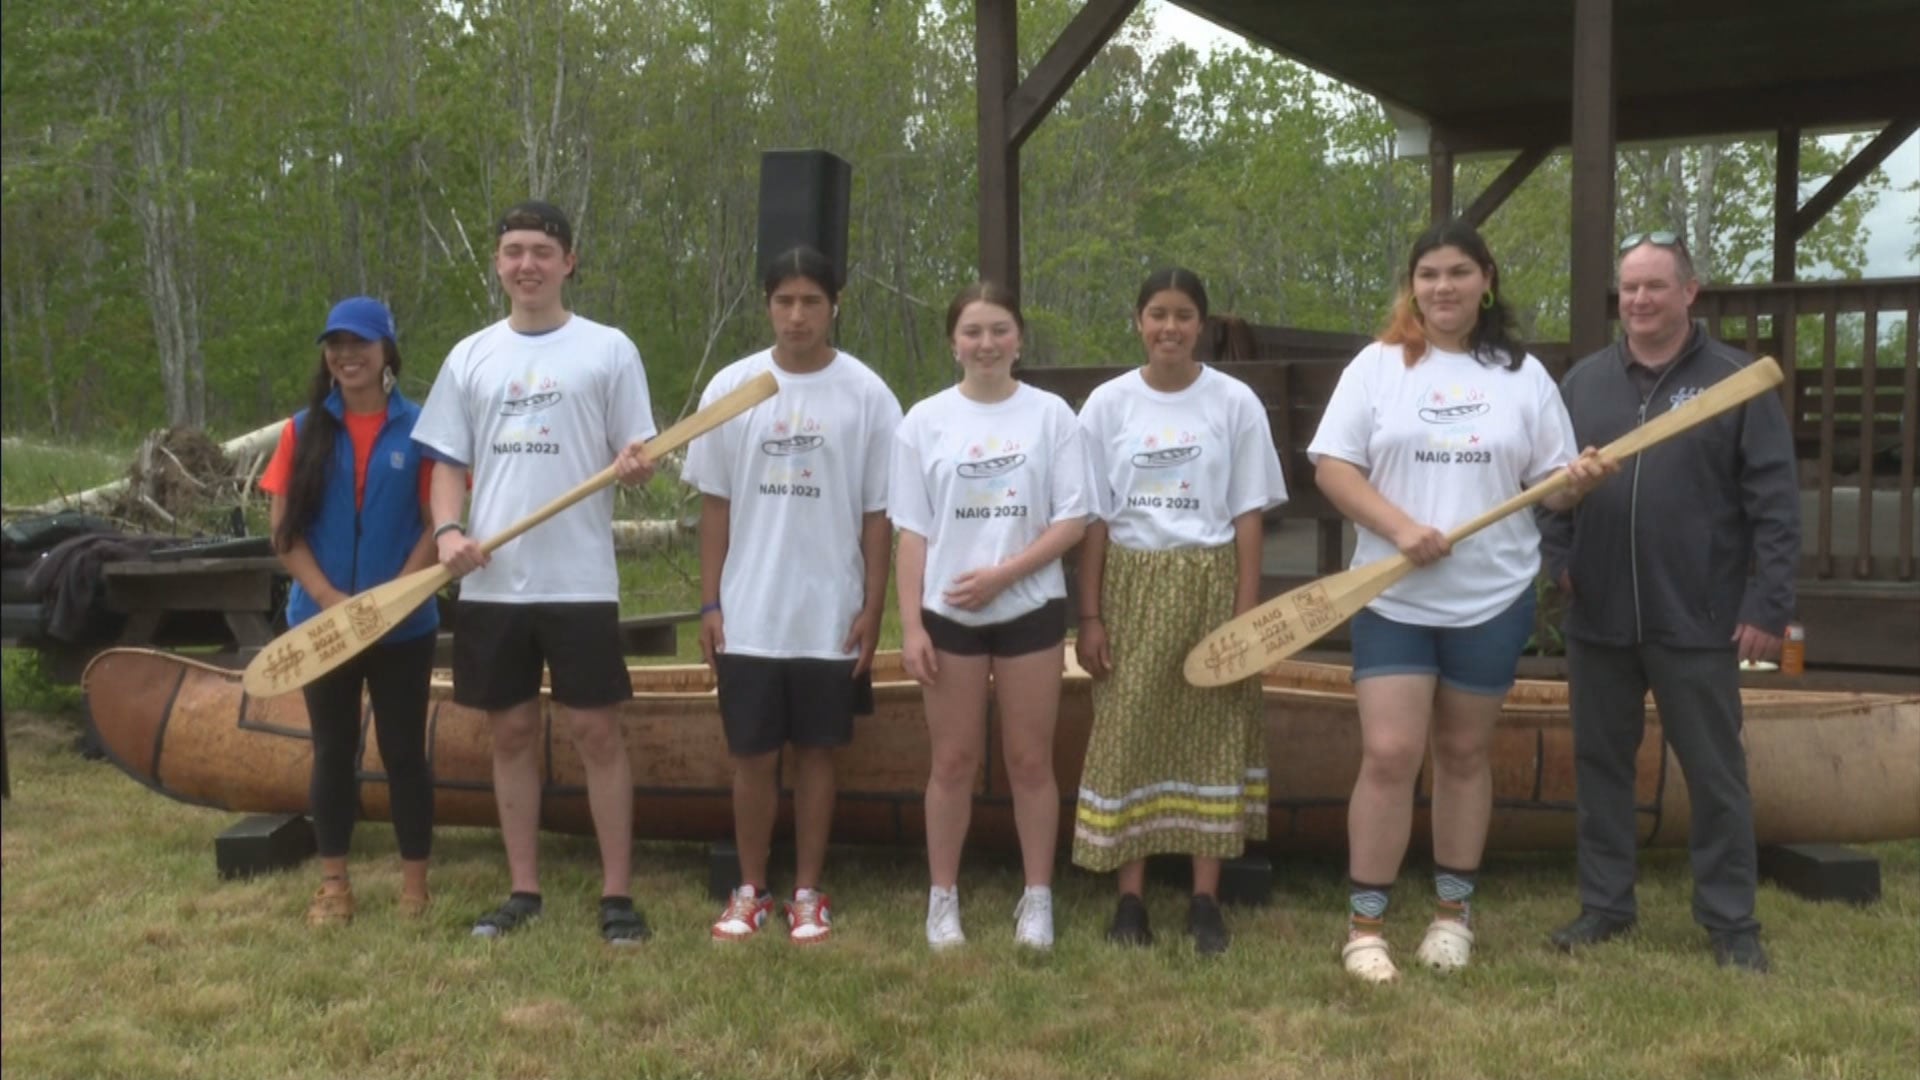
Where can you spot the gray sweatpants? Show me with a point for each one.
(1698, 695)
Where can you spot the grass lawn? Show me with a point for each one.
(34, 470)
(125, 956)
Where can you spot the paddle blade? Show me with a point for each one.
(1258, 639)
(338, 634)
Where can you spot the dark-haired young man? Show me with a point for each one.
(530, 407)
(794, 548)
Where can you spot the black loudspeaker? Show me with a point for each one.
(803, 200)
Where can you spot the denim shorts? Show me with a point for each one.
(1472, 659)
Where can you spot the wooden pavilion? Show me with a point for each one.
(1588, 75)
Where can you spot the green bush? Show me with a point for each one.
(27, 688)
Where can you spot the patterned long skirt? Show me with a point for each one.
(1171, 768)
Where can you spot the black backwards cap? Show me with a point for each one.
(534, 214)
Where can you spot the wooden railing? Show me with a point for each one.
(1854, 405)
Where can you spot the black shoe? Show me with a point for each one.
(1741, 950)
(1208, 929)
(621, 923)
(519, 910)
(1130, 922)
(1591, 928)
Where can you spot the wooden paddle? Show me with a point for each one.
(341, 632)
(1250, 643)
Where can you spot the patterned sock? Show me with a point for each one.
(1455, 890)
(1366, 907)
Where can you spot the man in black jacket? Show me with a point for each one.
(1656, 563)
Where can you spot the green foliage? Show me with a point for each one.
(192, 185)
(27, 688)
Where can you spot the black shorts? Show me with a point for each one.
(767, 702)
(499, 649)
(1042, 628)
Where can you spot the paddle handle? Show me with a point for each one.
(738, 400)
(1749, 382)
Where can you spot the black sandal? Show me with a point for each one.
(519, 910)
(621, 923)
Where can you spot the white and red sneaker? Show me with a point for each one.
(748, 909)
(809, 917)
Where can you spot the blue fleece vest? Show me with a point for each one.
(358, 549)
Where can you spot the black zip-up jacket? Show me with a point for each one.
(1660, 553)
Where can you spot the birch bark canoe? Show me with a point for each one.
(1837, 767)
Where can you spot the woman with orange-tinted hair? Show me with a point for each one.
(1442, 418)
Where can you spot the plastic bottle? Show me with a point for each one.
(1793, 650)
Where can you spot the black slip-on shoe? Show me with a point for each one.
(1130, 922)
(1590, 928)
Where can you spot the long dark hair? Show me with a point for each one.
(313, 452)
(1494, 339)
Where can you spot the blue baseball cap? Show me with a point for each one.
(362, 316)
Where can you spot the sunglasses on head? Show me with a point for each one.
(1659, 238)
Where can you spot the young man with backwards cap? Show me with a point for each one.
(528, 408)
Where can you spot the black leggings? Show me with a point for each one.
(396, 676)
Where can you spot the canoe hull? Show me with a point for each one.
(1823, 766)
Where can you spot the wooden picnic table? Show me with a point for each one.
(241, 592)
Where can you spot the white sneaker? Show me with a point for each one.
(1033, 918)
(943, 918)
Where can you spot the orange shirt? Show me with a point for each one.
(363, 429)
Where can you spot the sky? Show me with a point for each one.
(1889, 227)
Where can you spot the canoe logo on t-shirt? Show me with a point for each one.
(1166, 458)
(1453, 404)
(1683, 395)
(992, 467)
(523, 398)
(796, 444)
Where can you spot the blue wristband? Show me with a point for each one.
(713, 608)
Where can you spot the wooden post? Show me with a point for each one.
(1047, 83)
(1440, 157)
(996, 56)
(1786, 203)
(1593, 151)
(1849, 175)
(1510, 179)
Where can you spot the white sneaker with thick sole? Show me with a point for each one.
(1033, 918)
(1447, 945)
(943, 919)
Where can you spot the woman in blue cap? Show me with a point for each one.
(349, 490)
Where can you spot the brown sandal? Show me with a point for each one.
(332, 905)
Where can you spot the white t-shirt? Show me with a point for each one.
(1445, 441)
(533, 415)
(799, 471)
(981, 482)
(1176, 469)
